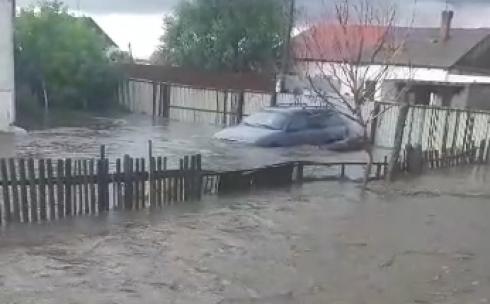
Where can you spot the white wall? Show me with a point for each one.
(7, 91)
(394, 72)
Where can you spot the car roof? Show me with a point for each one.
(294, 110)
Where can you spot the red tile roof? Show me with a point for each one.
(331, 42)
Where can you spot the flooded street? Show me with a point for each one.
(130, 135)
(316, 244)
(420, 241)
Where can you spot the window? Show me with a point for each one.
(298, 122)
(333, 120)
(323, 120)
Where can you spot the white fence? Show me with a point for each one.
(435, 128)
(190, 104)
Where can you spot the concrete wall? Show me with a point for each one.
(7, 83)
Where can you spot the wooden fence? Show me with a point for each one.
(415, 160)
(38, 190)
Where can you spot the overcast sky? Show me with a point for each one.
(139, 21)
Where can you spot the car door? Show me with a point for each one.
(326, 127)
(297, 131)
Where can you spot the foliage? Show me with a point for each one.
(62, 59)
(225, 35)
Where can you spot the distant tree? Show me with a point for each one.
(62, 59)
(229, 35)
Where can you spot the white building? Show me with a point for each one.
(444, 65)
(7, 80)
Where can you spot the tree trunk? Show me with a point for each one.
(46, 102)
(368, 149)
(369, 167)
(399, 132)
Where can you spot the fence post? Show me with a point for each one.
(198, 177)
(154, 99)
(274, 98)
(241, 105)
(151, 169)
(226, 99)
(399, 133)
(128, 182)
(103, 181)
(165, 95)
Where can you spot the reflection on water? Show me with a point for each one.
(130, 135)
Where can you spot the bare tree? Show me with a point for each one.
(354, 53)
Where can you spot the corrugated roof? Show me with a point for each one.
(422, 45)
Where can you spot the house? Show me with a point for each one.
(111, 44)
(7, 79)
(442, 65)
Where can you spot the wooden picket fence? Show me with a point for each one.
(414, 160)
(39, 190)
(35, 190)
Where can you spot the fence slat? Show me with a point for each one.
(86, 181)
(143, 184)
(199, 176)
(32, 190)
(128, 182)
(159, 182)
(60, 190)
(180, 181)
(93, 191)
(166, 188)
(185, 179)
(152, 183)
(79, 185)
(15, 190)
(23, 190)
(68, 187)
(5, 190)
(192, 178)
(117, 185)
(74, 187)
(51, 191)
(43, 214)
(137, 183)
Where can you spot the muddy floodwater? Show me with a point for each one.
(130, 135)
(418, 241)
(317, 244)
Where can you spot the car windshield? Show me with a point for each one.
(269, 120)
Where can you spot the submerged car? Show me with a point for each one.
(285, 126)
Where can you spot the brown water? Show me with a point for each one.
(318, 244)
(130, 135)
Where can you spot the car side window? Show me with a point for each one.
(298, 122)
(316, 121)
(333, 120)
(324, 120)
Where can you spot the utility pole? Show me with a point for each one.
(286, 51)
